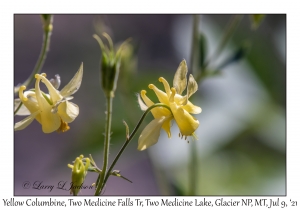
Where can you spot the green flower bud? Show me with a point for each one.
(47, 22)
(79, 171)
(110, 65)
(110, 68)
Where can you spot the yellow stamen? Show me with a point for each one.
(63, 127)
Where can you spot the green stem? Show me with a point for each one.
(194, 64)
(130, 138)
(194, 47)
(41, 59)
(40, 62)
(193, 170)
(15, 112)
(106, 145)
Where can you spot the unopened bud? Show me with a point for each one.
(79, 171)
(110, 65)
(47, 22)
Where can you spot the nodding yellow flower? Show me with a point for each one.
(180, 106)
(79, 171)
(53, 111)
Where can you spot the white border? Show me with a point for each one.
(166, 7)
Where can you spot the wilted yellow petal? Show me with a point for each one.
(179, 81)
(192, 86)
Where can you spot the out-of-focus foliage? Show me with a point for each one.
(256, 20)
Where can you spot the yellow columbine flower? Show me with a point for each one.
(53, 111)
(79, 171)
(180, 106)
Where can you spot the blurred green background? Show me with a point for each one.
(241, 146)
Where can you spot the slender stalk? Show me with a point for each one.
(41, 59)
(39, 64)
(194, 64)
(194, 165)
(130, 138)
(106, 144)
(194, 48)
(20, 104)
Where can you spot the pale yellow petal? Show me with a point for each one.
(143, 106)
(179, 81)
(191, 108)
(50, 122)
(187, 123)
(191, 89)
(74, 84)
(23, 111)
(68, 111)
(25, 122)
(150, 134)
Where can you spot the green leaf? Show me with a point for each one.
(202, 51)
(127, 130)
(237, 55)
